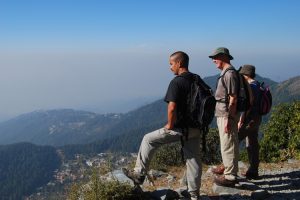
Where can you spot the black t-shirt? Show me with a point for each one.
(177, 92)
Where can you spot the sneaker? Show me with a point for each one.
(219, 170)
(222, 181)
(184, 194)
(194, 198)
(250, 175)
(137, 178)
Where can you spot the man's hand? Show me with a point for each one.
(240, 124)
(227, 126)
(231, 112)
(250, 124)
(168, 126)
(171, 115)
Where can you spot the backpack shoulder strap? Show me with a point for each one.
(223, 83)
(201, 82)
(190, 76)
(222, 77)
(196, 78)
(226, 70)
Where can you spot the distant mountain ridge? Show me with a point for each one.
(130, 140)
(67, 126)
(56, 127)
(286, 91)
(27, 166)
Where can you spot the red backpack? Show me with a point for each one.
(264, 99)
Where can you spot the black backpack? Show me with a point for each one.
(244, 95)
(200, 104)
(200, 108)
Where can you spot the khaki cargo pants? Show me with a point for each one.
(229, 147)
(191, 149)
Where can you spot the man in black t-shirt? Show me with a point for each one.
(176, 97)
(177, 93)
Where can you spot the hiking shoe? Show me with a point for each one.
(137, 178)
(219, 170)
(250, 175)
(194, 197)
(184, 194)
(222, 181)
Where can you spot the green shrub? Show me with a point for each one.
(244, 155)
(166, 156)
(281, 139)
(99, 189)
(213, 152)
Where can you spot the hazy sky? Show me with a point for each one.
(103, 55)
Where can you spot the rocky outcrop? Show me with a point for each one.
(276, 183)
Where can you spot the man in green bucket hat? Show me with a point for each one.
(227, 117)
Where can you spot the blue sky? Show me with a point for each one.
(104, 55)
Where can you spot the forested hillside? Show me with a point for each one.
(126, 135)
(25, 167)
(287, 91)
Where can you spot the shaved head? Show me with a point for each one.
(181, 57)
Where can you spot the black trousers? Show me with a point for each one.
(249, 131)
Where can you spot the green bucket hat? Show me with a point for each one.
(248, 70)
(221, 50)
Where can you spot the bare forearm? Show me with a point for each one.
(231, 112)
(232, 106)
(171, 115)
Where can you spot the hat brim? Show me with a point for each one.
(214, 55)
